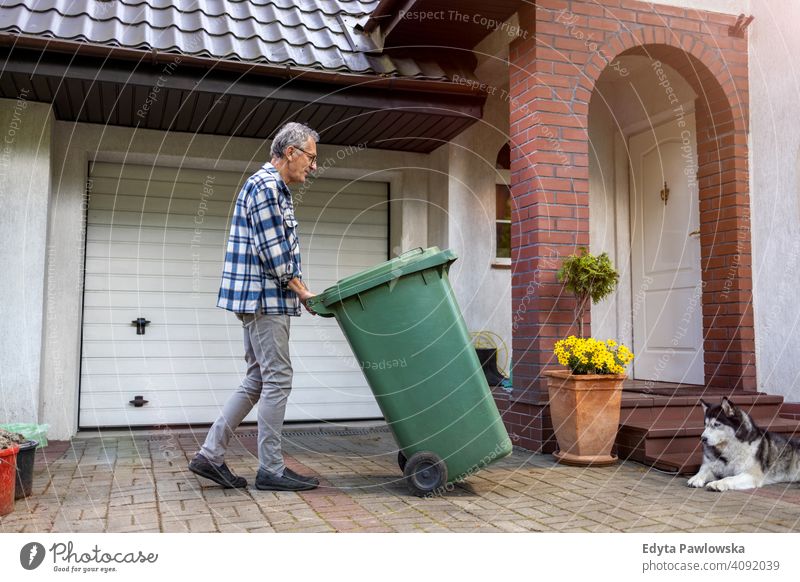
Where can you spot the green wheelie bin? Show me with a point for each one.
(406, 330)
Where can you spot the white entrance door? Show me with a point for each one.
(665, 254)
(154, 250)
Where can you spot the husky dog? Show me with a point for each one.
(737, 454)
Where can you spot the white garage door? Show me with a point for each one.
(155, 245)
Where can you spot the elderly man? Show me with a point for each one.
(262, 284)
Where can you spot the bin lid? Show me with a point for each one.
(405, 264)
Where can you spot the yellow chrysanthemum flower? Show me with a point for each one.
(592, 356)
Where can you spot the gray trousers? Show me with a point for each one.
(268, 382)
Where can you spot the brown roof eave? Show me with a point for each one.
(284, 72)
(382, 12)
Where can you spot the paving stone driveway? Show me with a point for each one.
(138, 482)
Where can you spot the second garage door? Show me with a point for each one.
(154, 250)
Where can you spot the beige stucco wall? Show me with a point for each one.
(482, 287)
(724, 6)
(462, 205)
(775, 187)
(25, 134)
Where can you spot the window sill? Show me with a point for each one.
(501, 264)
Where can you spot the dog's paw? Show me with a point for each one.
(720, 485)
(696, 481)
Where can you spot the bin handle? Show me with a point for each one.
(318, 307)
(420, 249)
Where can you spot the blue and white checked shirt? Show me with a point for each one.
(263, 252)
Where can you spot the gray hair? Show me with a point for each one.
(291, 134)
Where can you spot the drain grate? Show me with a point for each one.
(327, 431)
(291, 432)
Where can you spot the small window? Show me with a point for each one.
(503, 221)
(503, 208)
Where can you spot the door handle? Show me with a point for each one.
(695, 232)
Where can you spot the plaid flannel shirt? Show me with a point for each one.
(263, 252)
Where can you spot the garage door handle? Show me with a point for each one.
(138, 401)
(140, 324)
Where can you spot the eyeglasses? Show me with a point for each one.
(311, 157)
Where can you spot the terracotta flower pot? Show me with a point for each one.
(585, 411)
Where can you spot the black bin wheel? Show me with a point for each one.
(401, 460)
(425, 473)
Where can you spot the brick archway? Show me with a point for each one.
(552, 75)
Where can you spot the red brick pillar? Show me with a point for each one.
(728, 324)
(550, 189)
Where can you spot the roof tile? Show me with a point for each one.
(304, 34)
